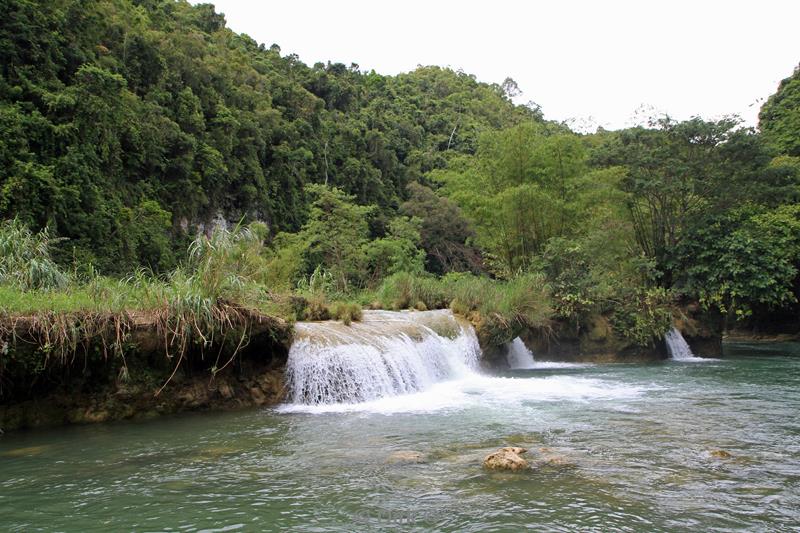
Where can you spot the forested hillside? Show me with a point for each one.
(126, 124)
(128, 127)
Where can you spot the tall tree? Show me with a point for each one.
(678, 170)
(446, 235)
(336, 233)
(519, 190)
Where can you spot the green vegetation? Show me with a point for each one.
(779, 119)
(127, 125)
(25, 260)
(745, 259)
(501, 309)
(131, 132)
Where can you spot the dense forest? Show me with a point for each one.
(130, 127)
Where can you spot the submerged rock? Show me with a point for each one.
(506, 459)
(550, 458)
(557, 461)
(721, 454)
(28, 451)
(406, 456)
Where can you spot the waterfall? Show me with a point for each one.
(518, 355)
(385, 354)
(678, 347)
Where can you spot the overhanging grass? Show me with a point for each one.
(500, 309)
(213, 301)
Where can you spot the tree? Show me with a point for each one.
(104, 105)
(397, 252)
(744, 259)
(519, 191)
(779, 118)
(675, 171)
(336, 233)
(446, 236)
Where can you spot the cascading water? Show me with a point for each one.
(678, 347)
(518, 356)
(385, 354)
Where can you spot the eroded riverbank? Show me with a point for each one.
(87, 367)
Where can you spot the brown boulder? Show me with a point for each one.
(721, 454)
(506, 459)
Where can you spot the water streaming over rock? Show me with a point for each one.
(518, 356)
(678, 347)
(385, 354)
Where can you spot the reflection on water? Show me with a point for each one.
(617, 447)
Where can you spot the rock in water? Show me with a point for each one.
(506, 459)
(406, 457)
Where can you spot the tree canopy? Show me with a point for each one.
(128, 127)
(109, 109)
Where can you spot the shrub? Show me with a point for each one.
(285, 262)
(643, 315)
(397, 252)
(317, 308)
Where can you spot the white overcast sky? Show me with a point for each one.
(595, 62)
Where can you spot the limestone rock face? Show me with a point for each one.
(506, 459)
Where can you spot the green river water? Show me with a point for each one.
(633, 448)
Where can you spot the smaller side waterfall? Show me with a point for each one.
(518, 355)
(678, 347)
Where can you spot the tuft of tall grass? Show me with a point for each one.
(347, 312)
(25, 258)
(404, 290)
(223, 264)
(500, 308)
(321, 300)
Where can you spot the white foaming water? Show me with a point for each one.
(518, 355)
(386, 354)
(405, 362)
(476, 391)
(679, 349)
(677, 345)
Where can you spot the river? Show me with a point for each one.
(695, 445)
